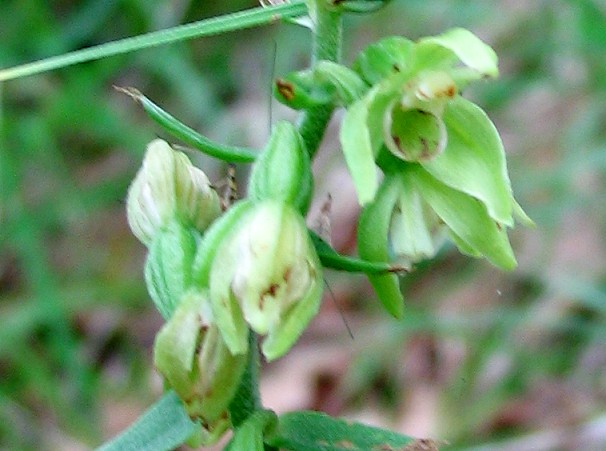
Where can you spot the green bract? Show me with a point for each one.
(266, 275)
(168, 267)
(167, 188)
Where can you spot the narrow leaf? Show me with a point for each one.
(208, 27)
(163, 427)
(313, 431)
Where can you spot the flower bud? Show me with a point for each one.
(283, 172)
(169, 187)
(270, 275)
(195, 362)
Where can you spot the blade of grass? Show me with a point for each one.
(230, 22)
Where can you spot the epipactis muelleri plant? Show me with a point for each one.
(427, 165)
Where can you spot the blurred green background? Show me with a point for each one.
(482, 360)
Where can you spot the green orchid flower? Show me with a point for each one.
(444, 166)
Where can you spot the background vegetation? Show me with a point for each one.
(482, 360)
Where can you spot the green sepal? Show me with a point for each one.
(175, 346)
(520, 215)
(361, 138)
(268, 277)
(296, 319)
(283, 170)
(468, 219)
(168, 268)
(363, 6)
(249, 436)
(373, 231)
(379, 60)
(327, 83)
(474, 159)
(461, 44)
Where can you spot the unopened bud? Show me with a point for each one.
(272, 273)
(169, 187)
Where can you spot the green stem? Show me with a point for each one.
(326, 45)
(229, 22)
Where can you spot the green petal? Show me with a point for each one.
(468, 219)
(474, 159)
(467, 47)
(373, 228)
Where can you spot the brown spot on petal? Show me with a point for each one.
(285, 89)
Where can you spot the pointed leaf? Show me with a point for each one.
(313, 431)
(474, 159)
(164, 426)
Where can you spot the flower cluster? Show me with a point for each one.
(213, 277)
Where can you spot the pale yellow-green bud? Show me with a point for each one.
(168, 187)
(271, 271)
